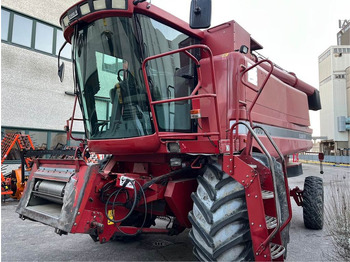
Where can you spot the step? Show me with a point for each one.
(276, 250)
(271, 222)
(267, 194)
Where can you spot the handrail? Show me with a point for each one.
(257, 90)
(272, 168)
(284, 166)
(193, 94)
(69, 131)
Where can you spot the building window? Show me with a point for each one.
(39, 139)
(76, 142)
(5, 21)
(42, 139)
(58, 139)
(341, 50)
(14, 154)
(340, 76)
(43, 37)
(34, 34)
(22, 30)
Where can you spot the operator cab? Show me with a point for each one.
(109, 47)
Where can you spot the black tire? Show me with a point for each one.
(313, 202)
(220, 225)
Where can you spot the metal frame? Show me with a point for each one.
(192, 96)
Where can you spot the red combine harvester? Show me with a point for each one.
(195, 127)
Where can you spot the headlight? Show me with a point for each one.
(99, 4)
(85, 8)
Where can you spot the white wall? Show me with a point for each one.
(31, 94)
(45, 10)
(333, 93)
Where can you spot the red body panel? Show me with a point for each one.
(177, 195)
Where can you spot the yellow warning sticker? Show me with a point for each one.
(110, 216)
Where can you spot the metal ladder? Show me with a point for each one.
(265, 229)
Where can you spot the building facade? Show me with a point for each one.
(334, 70)
(33, 100)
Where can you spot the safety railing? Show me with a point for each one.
(251, 132)
(284, 168)
(257, 90)
(192, 96)
(272, 169)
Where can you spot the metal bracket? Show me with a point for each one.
(297, 194)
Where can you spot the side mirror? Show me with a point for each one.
(61, 72)
(61, 66)
(200, 14)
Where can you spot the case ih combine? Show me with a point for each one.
(195, 125)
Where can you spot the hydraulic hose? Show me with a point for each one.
(116, 193)
(145, 216)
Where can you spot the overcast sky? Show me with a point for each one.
(293, 33)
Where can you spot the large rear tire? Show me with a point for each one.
(220, 226)
(313, 202)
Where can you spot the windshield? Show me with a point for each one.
(108, 57)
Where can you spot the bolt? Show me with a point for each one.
(257, 253)
(87, 222)
(247, 176)
(75, 224)
(256, 196)
(78, 213)
(94, 216)
(231, 159)
(248, 195)
(252, 224)
(230, 171)
(228, 166)
(260, 225)
(265, 256)
(242, 181)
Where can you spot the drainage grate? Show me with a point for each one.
(161, 243)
